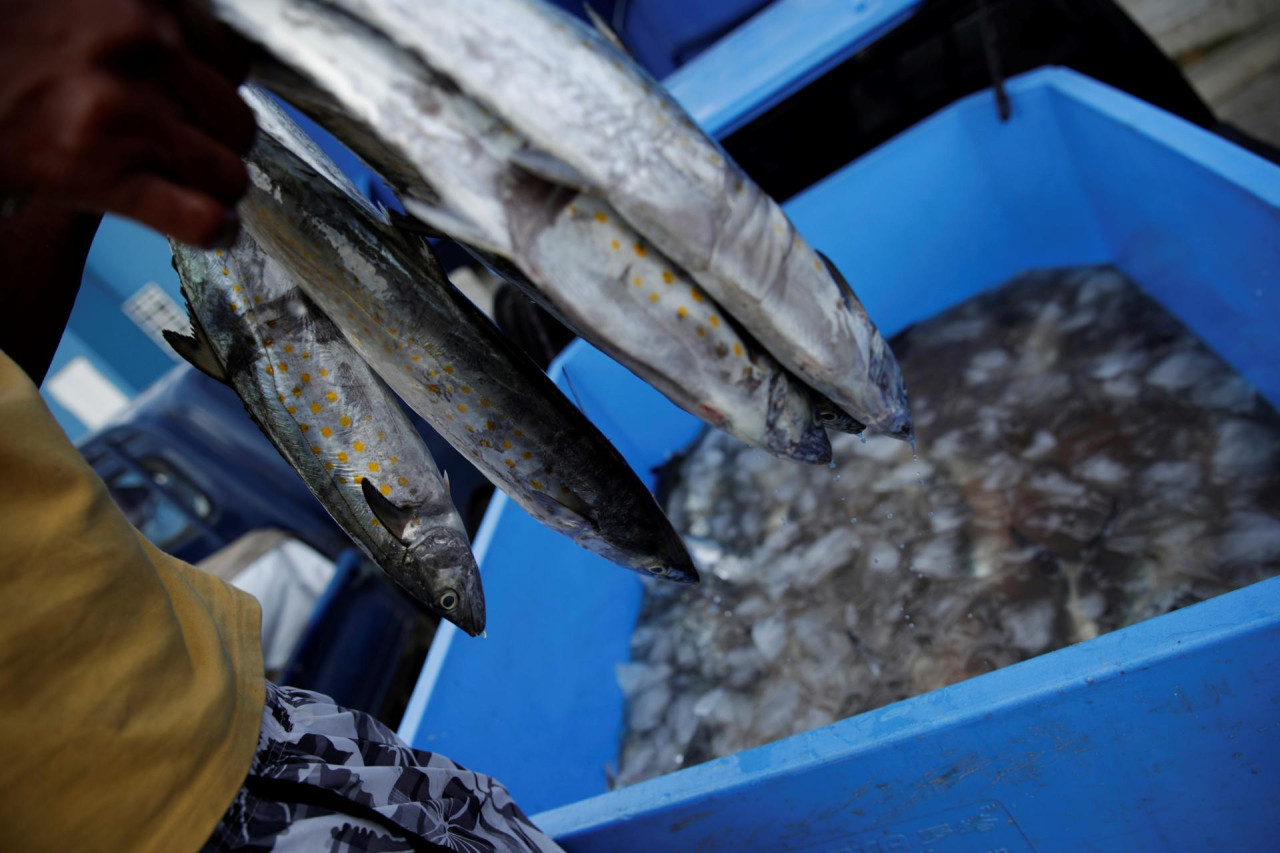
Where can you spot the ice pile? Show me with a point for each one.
(1086, 463)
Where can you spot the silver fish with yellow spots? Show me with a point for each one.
(332, 419)
(595, 120)
(445, 358)
(617, 291)
(414, 125)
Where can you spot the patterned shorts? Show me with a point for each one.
(333, 779)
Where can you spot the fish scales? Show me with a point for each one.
(707, 368)
(654, 319)
(449, 362)
(590, 111)
(333, 419)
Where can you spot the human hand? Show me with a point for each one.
(125, 106)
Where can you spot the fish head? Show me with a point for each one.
(792, 431)
(831, 416)
(653, 549)
(638, 537)
(881, 396)
(436, 565)
(443, 567)
(890, 408)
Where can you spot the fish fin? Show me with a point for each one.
(605, 30)
(451, 225)
(549, 168)
(396, 519)
(197, 350)
(569, 509)
(574, 391)
(846, 291)
(412, 225)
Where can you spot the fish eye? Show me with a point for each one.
(658, 570)
(828, 417)
(447, 600)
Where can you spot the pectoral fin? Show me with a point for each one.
(567, 509)
(846, 292)
(197, 350)
(605, 30)
(549, 168)
(395, 519)
(456, 227)
(412, 225)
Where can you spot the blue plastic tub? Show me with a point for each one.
(1165, 735)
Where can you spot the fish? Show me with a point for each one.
(451, 161)
(591, 118)
(330, 416)
(619, 292)
(447, 361)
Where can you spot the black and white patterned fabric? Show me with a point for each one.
(333, 779)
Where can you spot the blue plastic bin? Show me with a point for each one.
(1165, 735)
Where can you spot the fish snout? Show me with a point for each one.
(469, 616)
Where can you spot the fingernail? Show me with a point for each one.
(227, 233)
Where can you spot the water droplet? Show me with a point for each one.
(484, 635)
(913, 625)
(921, 482)
(889, 514)
(931, 515)
(864, 441)
(832, 464)
(836, 478)
(716, 599)
(901, 545)
(970, 615)
(853, 521)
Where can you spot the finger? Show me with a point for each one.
(94, 123)
(141, 138)
(182, 213)
(213, 41)
(211, 102)
(197, 161)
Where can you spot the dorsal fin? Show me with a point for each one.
(396, 519)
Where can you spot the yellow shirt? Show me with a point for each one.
(131, 684)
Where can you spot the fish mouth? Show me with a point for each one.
(898, 425)
(678, 566)
(470, 619)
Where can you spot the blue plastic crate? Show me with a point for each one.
(1160, 736)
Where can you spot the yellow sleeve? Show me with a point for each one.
(131, 684)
